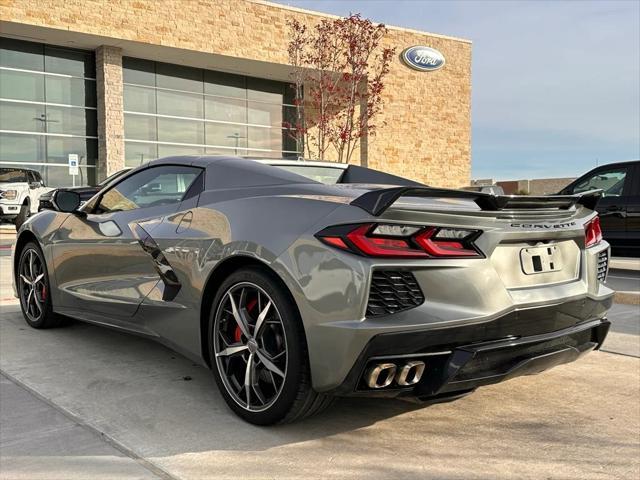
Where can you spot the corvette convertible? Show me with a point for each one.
(297, 282)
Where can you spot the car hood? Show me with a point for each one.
(12, 185)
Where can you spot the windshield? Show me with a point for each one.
(12, 175)
(326, 175)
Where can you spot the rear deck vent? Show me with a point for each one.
(393, 291)
(603, 263)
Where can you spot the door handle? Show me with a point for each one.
(185, 222)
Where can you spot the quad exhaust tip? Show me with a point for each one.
(382, 375)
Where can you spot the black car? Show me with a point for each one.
(619, 207)
(85, 192)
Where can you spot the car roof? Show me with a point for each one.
(205, 160)
(616, 164)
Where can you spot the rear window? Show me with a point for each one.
(326, 175)
(12, 175)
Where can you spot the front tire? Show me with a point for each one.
(32, 280)
(258, 350)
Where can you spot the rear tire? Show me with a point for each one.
(25, 212)
(32, 281)
(262, 392)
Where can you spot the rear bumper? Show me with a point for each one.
(461, 359)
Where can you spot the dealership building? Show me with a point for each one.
(114, 84)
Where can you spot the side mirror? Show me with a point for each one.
(33, 185)
(66, 201)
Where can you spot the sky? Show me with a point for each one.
(555, 86)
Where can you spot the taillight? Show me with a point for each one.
(592, 232)
(402, 241)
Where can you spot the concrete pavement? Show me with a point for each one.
(110, 405)
(37, 441)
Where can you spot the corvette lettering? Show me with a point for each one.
(543, 226)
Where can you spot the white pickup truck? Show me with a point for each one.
(20, 191)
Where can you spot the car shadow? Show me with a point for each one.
(130, 387)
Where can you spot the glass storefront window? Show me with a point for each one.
(52, 99)
(265, 114)
(22, 117)
(58, 175)
(74, 121)
(265, 138)
(170, 150)
(140, 127)
(226, 151)
(69, 62)
(225, 109)
(135, 154)
(202, 110)
(70, 91)
(226, 135)
(177, 77)
(21, 85)
(21, 148)
(225, 84)
(266, 90)
(138, 71)
(265, 154)
(59, 148)
(24, 55)
(139, 99)
(180, 131)
(180, 104)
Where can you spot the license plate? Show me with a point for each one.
(543, 259)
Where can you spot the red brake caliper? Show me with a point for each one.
(238, 333)
(44, 293)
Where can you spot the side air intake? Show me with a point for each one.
(393, 291)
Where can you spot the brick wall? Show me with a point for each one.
(427, 114)
(110, 111)
(538, 186)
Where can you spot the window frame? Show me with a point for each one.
(626, 188)
(91, 206)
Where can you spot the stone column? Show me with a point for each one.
(110, 111)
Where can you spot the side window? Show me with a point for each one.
(611, 182)
(163, 185)
(37, 178)
(30, 177)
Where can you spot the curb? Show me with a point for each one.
(624, 263)
(628, 298)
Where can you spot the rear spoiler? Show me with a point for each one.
(377, 201)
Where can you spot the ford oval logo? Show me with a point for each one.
(422, 58)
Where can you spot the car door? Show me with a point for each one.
(103, 264)
(633, 211)
(615, 182)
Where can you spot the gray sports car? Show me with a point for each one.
(296, 282)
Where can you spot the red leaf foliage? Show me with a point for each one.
(339, 66)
